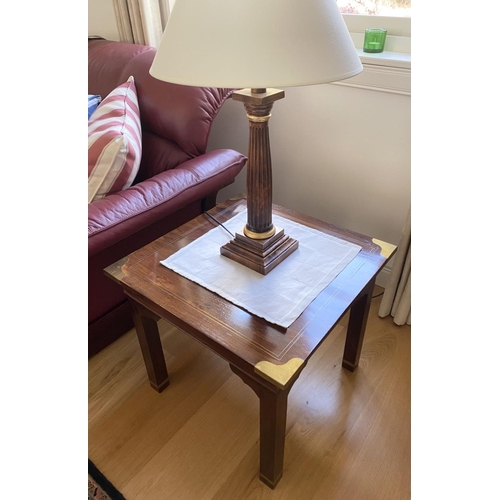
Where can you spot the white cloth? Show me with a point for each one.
(283, 294)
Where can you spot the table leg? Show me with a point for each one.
(146, 325)
(273, 409)
(357, 326)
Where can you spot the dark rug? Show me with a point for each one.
(99, 487)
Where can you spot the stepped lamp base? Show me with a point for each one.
(261, 255)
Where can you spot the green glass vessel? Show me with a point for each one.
(374, 40)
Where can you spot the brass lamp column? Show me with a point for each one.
(260, 245)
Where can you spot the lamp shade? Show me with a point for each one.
(255, 43)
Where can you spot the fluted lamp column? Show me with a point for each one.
(260, 245)
(258, 46)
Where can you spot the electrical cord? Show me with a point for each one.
(220, 223)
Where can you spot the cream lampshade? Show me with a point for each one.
(256, 45)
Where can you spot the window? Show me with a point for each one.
(393, 15)
(399, 8)
(389, 71)
(395, 26)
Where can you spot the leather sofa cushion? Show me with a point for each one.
(180, 114)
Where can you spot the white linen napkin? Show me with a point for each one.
(283, 294)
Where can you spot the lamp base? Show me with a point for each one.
(260, 255)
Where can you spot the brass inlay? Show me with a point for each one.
(386, 249)
(259, 119)
(259, 236)
(278, 374)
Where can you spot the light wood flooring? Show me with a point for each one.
(348, 434)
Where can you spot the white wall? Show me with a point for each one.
(340, 154)
(102, 20)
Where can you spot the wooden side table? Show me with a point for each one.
(266, 357)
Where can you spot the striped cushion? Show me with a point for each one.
(115, 142)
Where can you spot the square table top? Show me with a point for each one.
(245, 340)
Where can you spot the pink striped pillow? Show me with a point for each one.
(115, 142)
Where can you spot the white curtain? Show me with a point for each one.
(397, 296)
(141, 21)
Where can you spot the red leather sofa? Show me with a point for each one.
(177, 178)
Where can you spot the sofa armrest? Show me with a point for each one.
(120, 215)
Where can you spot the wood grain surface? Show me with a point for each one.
(348, 434)
(267, 358)
(240, 337)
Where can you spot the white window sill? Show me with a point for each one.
(388, 71)
(396, 54)
(386, 58)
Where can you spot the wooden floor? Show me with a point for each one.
(348, 434)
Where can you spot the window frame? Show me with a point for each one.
(395, 26)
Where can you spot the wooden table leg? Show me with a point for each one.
(146, 325)
(273, 409)
(357, 326)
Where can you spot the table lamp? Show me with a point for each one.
(256, 45)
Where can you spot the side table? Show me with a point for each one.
(268, 358)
